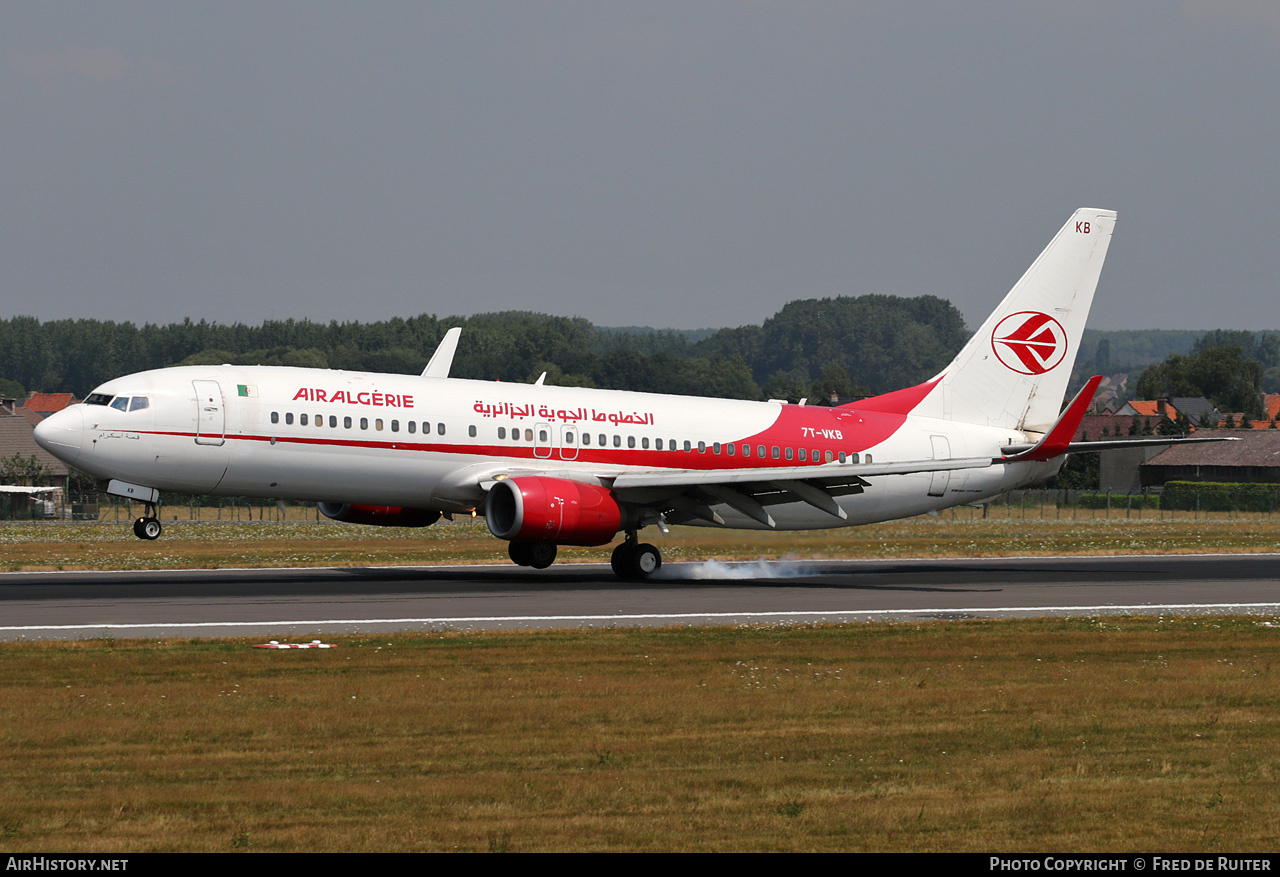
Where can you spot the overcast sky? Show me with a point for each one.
(677, 164)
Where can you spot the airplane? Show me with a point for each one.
(548, 466)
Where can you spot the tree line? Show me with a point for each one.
(846, 345)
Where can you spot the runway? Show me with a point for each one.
(291, 604)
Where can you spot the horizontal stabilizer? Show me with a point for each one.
(1058, 439)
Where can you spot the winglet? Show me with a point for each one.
(442, 359)
(1058, 438)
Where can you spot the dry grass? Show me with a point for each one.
(1034, 530)
(1003, 736)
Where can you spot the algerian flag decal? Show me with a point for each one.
(247, 390)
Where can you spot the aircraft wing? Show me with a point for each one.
(693, 492)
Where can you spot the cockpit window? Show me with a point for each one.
(120, 403)
(138, 403)
(98, 399)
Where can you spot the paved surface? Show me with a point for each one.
(290, 604)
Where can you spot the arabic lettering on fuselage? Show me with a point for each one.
(563, 415)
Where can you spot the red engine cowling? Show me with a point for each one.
(555, 510)
(379, 515)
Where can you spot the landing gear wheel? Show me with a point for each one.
(542, 554)
(147, 528)
(648, 560)
(635, 563)
(538, 555)
(520, 553)
(621, 559)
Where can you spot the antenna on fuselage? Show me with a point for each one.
(442, 359)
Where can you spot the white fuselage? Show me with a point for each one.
(421, 442)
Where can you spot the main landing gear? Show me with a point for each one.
(635, 561)
(538, 555)
(148, 526)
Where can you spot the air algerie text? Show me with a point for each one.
(380, 400)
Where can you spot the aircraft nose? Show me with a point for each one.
(61, 434)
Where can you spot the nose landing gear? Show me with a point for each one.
(148, 526)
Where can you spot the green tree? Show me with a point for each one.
(1223, 375)
(21, 470)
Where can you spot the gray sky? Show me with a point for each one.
(665, 163)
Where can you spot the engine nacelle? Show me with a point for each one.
(558, 510)
(378, 515)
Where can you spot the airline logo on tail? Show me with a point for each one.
(1029, 342)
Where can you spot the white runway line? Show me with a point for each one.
(679, 616)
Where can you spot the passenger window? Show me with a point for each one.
(275, 415)
(302, 420)
(658, 444)
(715, 447)
(288, 418)
(377, 424)
(617, 441)
(688, 446)
(586, 438)
(333, 421)
(732, 449)
(440, 428)
(604, 439)
(867, 460)
(346, 422)
(502, 432)
(746, 450)
(568, 437)
(631, 441)
(644, 443)
(364, 423)
(702, 447)
(789, 454)
(775, 452)
(830, 456)
(413, 427)
(471, 431)
(395, 426)
(803, 455)
(319, 420)
(138, 403)
(528, 435)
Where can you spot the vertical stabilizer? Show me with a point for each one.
(1013, 373)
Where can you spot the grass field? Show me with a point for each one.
(1005, 530)
(1049, 735)
(1031, 735)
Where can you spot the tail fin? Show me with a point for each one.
(1013, 373)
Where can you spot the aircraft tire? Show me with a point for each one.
(521, 553)
(621, 560)
(147, 528)
(635, 563)
(647, 560)
(542, 554)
